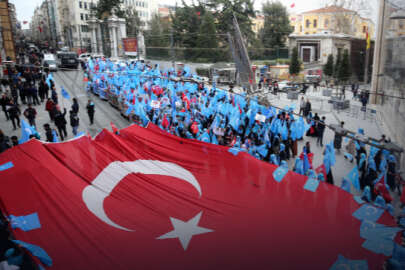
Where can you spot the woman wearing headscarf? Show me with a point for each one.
(298, 166)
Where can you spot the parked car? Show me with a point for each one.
(50, 62)
(68, 60)
(286, 86)
(84, 57)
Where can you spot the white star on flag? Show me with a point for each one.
(185, 230)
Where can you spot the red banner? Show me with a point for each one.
(145, 199)
(130, 46)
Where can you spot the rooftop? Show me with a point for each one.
(329, 9)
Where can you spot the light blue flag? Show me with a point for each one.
(353, 177)
(26, 132)
(6, 166)
(345, 185)
(374, 231)
(345, 264)
(358, 199)
(368, 212)
(55, 136)
(311, 185)
(262, 150)
(80, 134)
(381, 246)
(65, 94)
(235, 150)
(36, 251)
(279, 173)
(25, 223)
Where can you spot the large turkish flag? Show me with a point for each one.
(145, 199)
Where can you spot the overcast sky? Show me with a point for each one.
(25, 8)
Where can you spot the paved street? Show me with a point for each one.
(72, 81)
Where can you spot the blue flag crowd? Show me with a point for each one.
(188, 108)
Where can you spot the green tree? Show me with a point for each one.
(345, 71)
(295, 64)
(207, 38)
(105, 8)
(224, 10)
(276, 25)
(328, 67)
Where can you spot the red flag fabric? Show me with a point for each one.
(114, 128)
(25, 22)
(150, 200)
(321, 169)
(165, 122)
(381, 189)
(292, 5)
(40, 29)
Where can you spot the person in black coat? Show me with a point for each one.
(60, 123)
(75, 106)
(90, 111)
(4, 142)
(4, 101)
(14, 114)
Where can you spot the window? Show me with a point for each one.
(87, 17)
(81, 16)
(85, 28)
(136, 3)
(307, 23)
(315, 23)
(146, 4)
(91, 5)
(364, 29)
(326, 23)
(85, 5)
(80, 4)
(300, 28)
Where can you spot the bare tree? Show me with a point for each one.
(344, 21)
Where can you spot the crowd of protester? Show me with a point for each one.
(193, 110)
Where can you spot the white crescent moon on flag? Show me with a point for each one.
(105, 182)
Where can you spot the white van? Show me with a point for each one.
(50, 62)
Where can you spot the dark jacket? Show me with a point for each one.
(74, 120)
(60, 120)
(75, 108)
(14, 111)
(90, 108)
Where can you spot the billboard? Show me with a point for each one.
(130, 46)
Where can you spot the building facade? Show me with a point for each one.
(332, 20)
(388, 82)
(7, 30)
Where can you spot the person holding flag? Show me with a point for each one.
(90, 110)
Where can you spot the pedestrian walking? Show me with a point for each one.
(49, 133)
(337, 143)
(75, 106)
(14, 114)
(43, 90)
(302, 105)
(33, 92)
(320, 131)
(90, 111)
(74, 122)
(307, 108)
(54, 95)
(60, 123)
(4, 101)
(30, 113)
(49, 108)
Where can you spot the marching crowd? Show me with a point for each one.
(193, 110)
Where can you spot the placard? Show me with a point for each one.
(260, 117)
